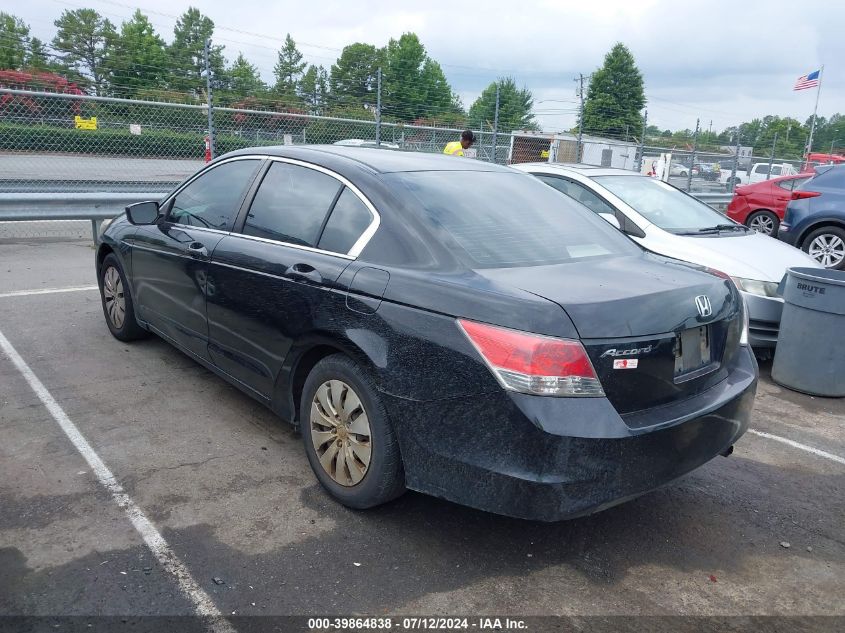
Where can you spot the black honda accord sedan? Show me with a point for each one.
(439, 324)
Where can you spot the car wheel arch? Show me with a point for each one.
(304, 357)
(102, 252)
(816, 226)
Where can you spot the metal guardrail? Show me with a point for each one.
(96, 207)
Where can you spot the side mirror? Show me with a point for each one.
(611, 219)
(143, 212)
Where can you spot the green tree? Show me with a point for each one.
(515, 107)
(82, 39)
(243, 79)
(314, 88)
(187, 54)
(413, 85)
(616, 96)
(138, 58)
(288, 69)
(353, 77)
(37, 58)
(14, 42)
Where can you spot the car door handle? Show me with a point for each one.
(306, 272)
(197, 250)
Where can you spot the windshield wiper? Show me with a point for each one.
(723, 227)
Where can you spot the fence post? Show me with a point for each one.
(495, 124)
(692, 158)
(732, 184)
(772, 157)
(579, 145)
(206, 56)
(378, 108)
(641, 149)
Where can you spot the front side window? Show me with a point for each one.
(662, 204)
(291, 204)
(212, 200)
(497, 220)
(776, 170)
(349, 219)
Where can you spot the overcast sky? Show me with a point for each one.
(724, 61)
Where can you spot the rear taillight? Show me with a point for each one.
(800, 195)
(532, 363)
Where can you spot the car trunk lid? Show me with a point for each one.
(655, 330)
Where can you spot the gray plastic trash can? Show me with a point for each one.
(810, 354)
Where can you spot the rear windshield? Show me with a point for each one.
(502, 220)
(661, 204)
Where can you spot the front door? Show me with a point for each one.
(170, 258)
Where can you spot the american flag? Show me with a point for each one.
(810, 80)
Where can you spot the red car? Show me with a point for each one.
(761, 205)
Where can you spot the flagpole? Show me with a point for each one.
(813, 124)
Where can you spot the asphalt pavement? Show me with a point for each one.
(234, 514)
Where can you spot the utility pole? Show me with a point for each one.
(772, 157)
(495, 124)
(207, 60)
(692, 158)
(710, 131)
(378, 108)
(580, 119)
(732, 181)
(641, 151)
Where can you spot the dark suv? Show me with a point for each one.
(815, 217)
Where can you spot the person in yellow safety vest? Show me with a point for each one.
(456, 148)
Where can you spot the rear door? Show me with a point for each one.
(170, 258)
(275, 274)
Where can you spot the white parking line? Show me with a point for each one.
(45, 291)
(799, 445)
(155, 541)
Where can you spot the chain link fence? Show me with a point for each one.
(71, 143)
(78, 144)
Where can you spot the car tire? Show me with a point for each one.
(683, 173)
(348, 437)
(827, 246)
(116, 298)
(764, 222)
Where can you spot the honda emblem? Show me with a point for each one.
(702, 302)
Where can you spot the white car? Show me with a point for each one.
(669, 222)
(757, 173)
(677, 169)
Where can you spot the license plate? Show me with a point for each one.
(692, 353)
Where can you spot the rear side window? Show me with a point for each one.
(792, 183)
(578, 192)
(833, 178)
(213, 199)
(291, 204)
(498, 220)
(349, 219)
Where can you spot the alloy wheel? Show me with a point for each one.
(827, 249)
(340, 432)
(113, 296)
(762, 224)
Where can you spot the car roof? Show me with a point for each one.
(590, 171)
(377, 160)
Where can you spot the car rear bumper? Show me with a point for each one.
(550, 459)
(738, 209)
